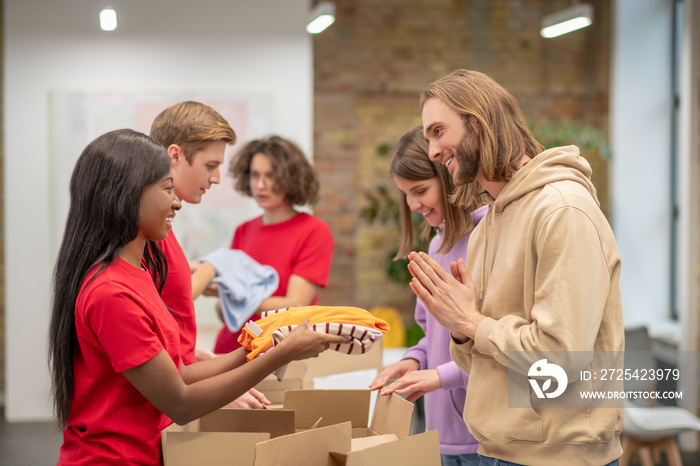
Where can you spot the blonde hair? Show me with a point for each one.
(192, 126)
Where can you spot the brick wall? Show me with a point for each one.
(369, 69)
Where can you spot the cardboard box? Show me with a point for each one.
(245, 437)
(308, 448)
(384, 440)
(300, 375)
(418, 450)
(392, 414)
(316, 427)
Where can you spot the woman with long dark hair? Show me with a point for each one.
(114, 346)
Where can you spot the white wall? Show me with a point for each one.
(641, 106)
(689, 236)
(167, 45)
(640, 119)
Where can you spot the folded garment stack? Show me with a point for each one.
(358, 324)
(243, 284)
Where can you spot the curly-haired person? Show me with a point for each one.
(275, 172)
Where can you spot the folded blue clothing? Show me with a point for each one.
(243, 284)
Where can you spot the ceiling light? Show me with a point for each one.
(322, 16)
(564, 21)
(108, 18)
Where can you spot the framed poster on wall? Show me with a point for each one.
(78, 117)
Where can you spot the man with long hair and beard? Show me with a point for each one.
(542, 275)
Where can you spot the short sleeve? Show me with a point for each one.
(119, 320)
(313, 261)
(237, 234)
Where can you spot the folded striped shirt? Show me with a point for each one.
(358, 324)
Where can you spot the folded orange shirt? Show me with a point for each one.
(358, 324)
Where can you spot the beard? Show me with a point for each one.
(468, 155)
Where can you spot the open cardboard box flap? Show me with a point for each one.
(420, 450)
(210, 448)
(386, 440)
(392, 414)
(310, 447)
(361, 443)
(332, 406)
(275, 422)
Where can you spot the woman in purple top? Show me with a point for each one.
(427, 368)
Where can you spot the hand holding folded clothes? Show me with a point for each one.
(303, 343)
(360, 327)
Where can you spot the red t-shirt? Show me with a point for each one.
(177, 294)
(121, 323)
(303, 246)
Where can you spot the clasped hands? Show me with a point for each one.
(449, 297)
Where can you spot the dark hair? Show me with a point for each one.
(105, 190)
(505, 136)
(192, 126)
(411, 162)
(294, 176)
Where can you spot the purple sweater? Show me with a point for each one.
(444, 408)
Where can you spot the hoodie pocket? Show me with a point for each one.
(582, 426)
(457, 398)
(487, 413)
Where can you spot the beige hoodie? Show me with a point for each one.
(546, 268)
